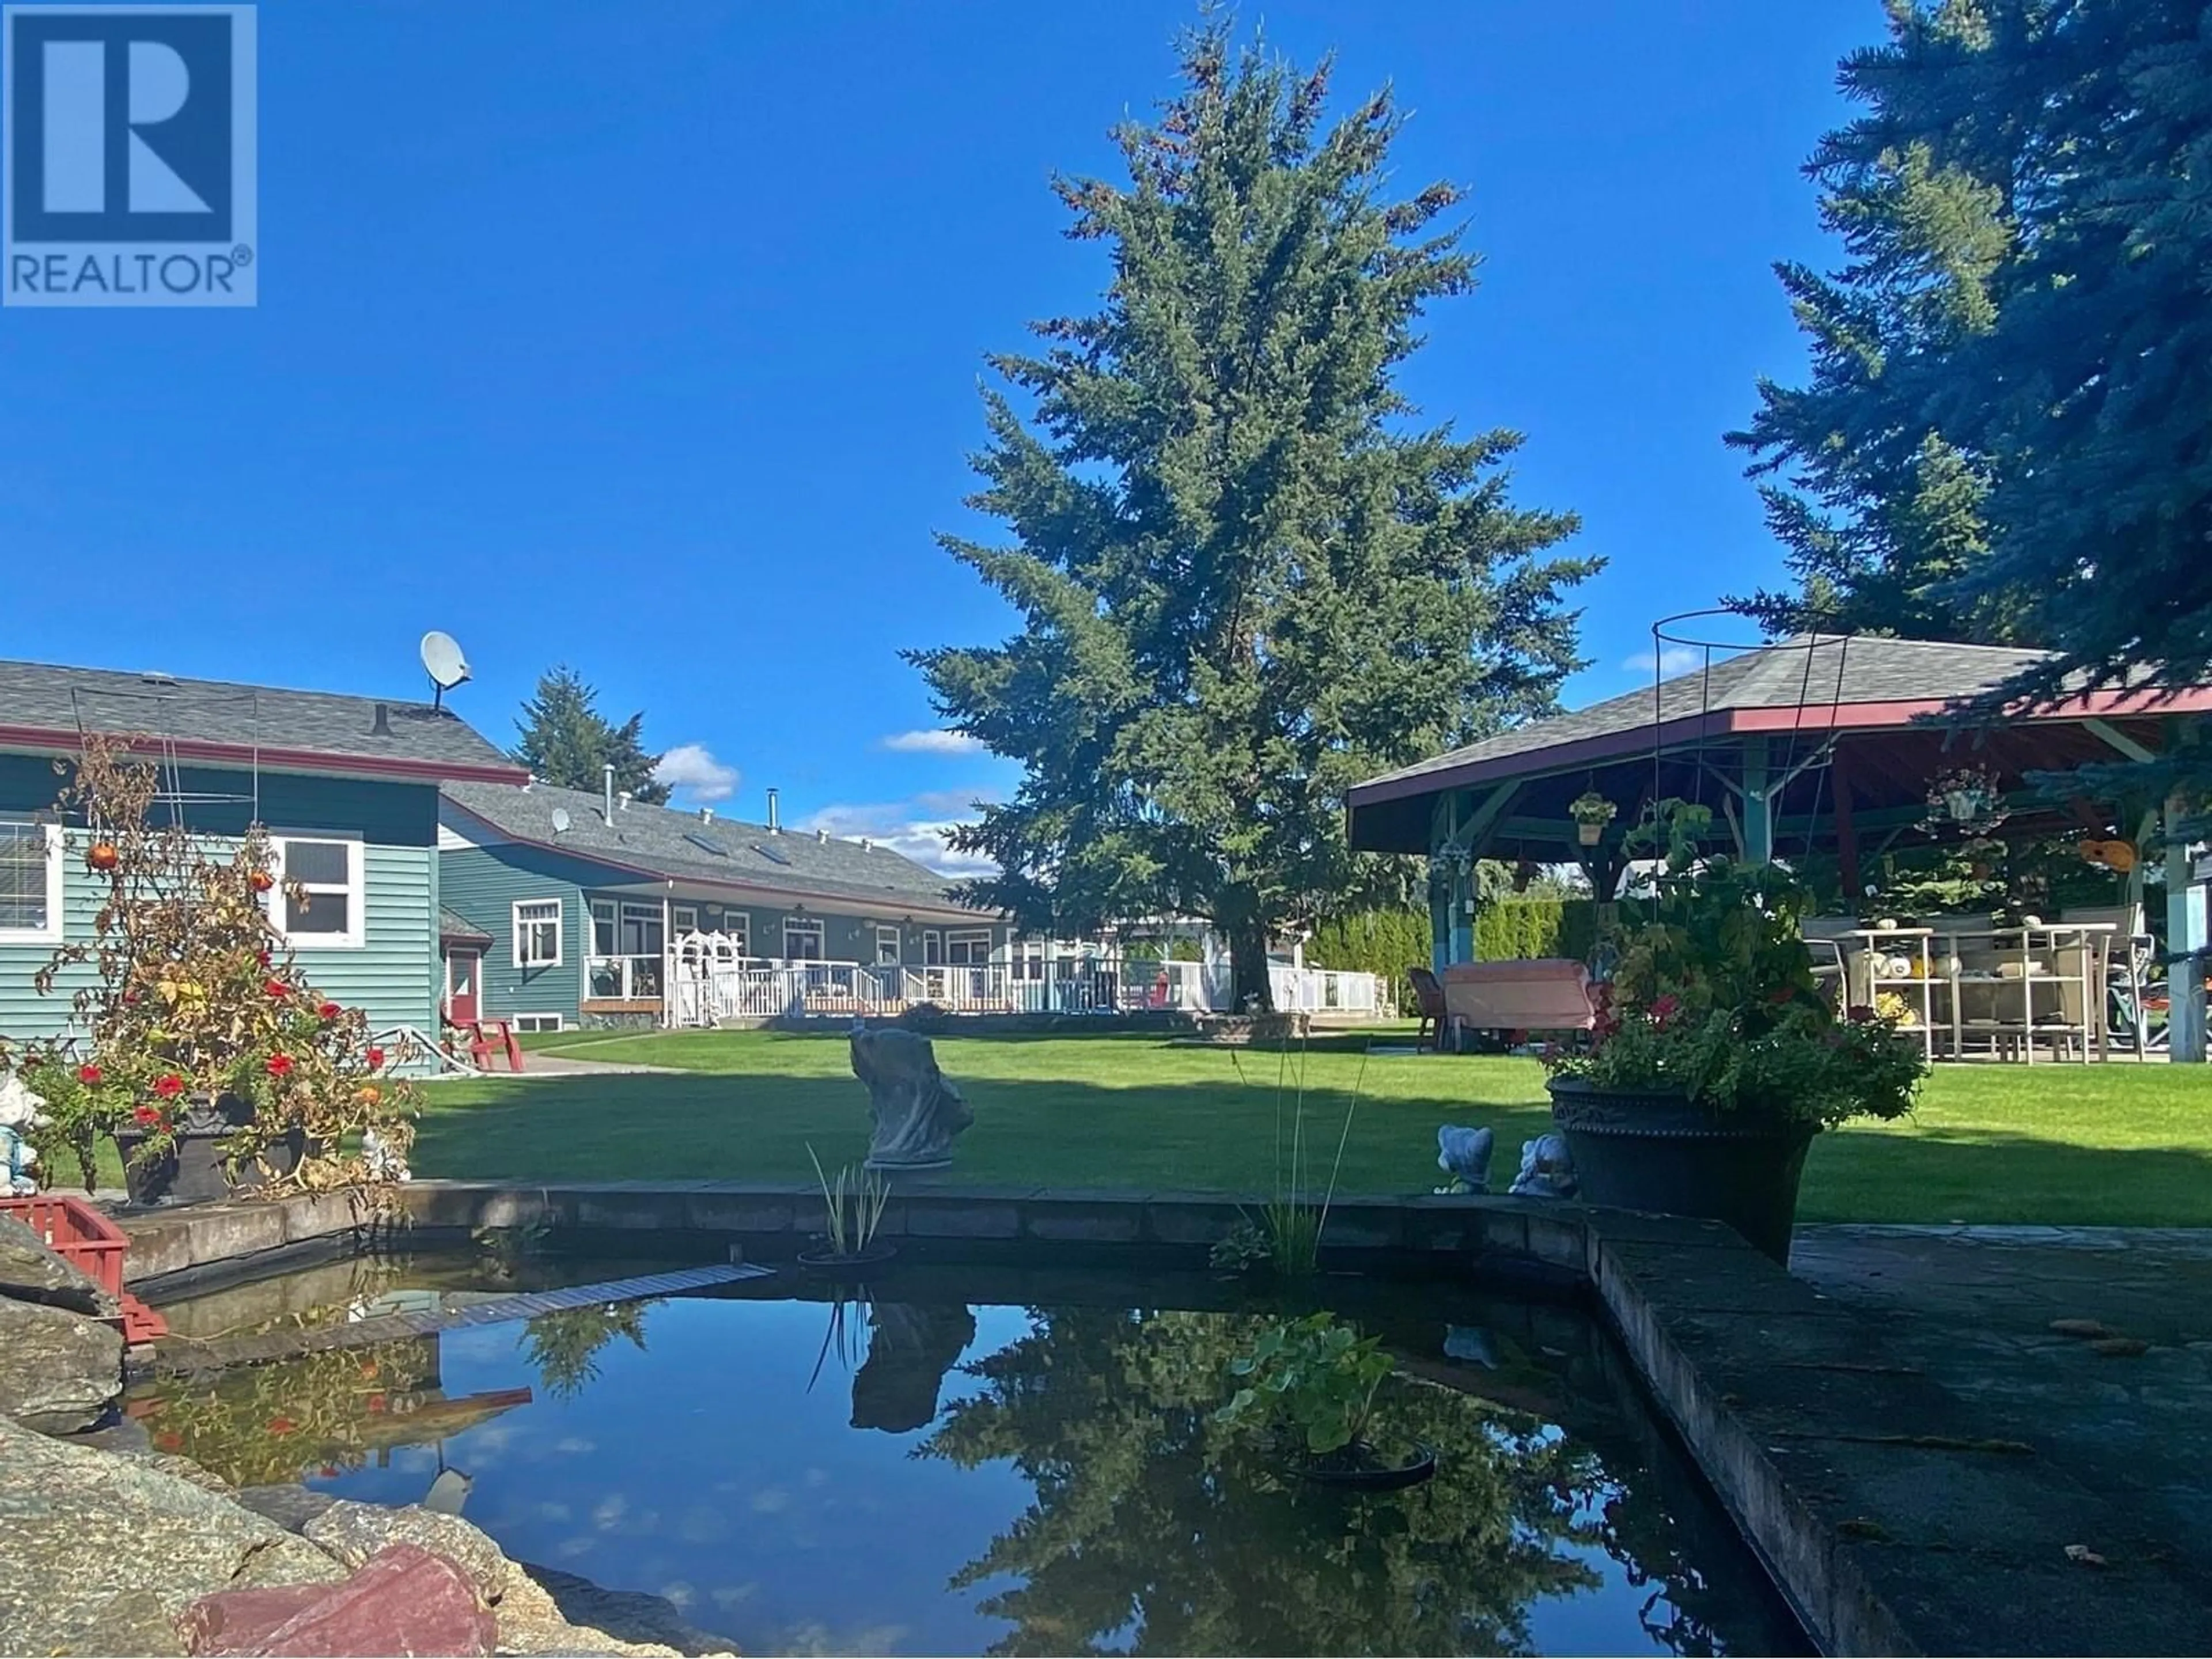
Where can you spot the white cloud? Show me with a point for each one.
(692, 767)
(918, 829)
(1672, 660)
(936, 742)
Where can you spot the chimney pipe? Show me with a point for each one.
(607, 787)
(382, 728)
(774, 827)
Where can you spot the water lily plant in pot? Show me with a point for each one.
(197, 1045)
(1714, 1060)
(1308, 1388)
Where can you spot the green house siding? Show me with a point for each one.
(483, 884)
(388, 975)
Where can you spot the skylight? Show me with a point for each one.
(704, 845)
(771, 856)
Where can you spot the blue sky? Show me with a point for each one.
(646, 339)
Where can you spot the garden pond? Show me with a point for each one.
(971, 1459)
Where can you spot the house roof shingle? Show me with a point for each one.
(662, 842)
(47, 706)
(456, 928)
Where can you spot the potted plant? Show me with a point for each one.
(1714, 1060)
(1308, 1387)
(200, 1048)
(855, 1200)
(1591, 812)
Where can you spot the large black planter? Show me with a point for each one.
(1636, 1151)
(194, 1170)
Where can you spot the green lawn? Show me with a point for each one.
(2118, 1144)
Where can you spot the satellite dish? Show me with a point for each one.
(443, 662)
(559, 820)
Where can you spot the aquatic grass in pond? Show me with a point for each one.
(852, 1230)
(1293, 1221)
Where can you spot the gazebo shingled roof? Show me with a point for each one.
(1838, 729)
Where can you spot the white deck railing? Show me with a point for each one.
(712, 981)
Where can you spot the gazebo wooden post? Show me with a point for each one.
(1847, 833)
(1758, 810)
(2185, 932)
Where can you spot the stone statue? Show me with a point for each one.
(19, 1114)
(1465, 1153)
(917, 1112)
(1547, 1171)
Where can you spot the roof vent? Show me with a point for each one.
(822, 836)
(622, 798)
(155, 677)
(867, 846)
(381, 727)
(774, 825)
(706, 814)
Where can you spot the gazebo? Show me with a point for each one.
(1817, 744)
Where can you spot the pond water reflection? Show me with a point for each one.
(965, 1461)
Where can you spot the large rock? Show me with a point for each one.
(290, 1507)
(103, 1552)
(57, 1370)
(403, 1600)
(29, 1272)
(353, 1533)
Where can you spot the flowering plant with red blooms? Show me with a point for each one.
(186, 997)
(1713, 998)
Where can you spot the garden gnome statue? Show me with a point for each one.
(916, 1111)
(19, 1116)
(1465, 1153)
(1547, 1171)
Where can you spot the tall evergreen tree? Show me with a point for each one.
(1246, 578)
(566, 742)
(2007, 432)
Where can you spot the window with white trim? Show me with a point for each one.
(804, 940)
(887, 947)
(603, 927)
(968, 949)
(537, 933)
(30, 882)
(538, 1022)
(684, 918)
(317, 900)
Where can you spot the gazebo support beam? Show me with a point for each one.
(1757, 805)
(2185, 932)
(1847, 830)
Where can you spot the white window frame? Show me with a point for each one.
(894, 937)
(968, 936)
(560, 919)
(51, 932)
(738, 927)
(536, 1022)
(683, 919)
(813, 925)
(608, 911)
(933, 947)
(356, 934)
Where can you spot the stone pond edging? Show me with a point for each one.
(1829, 1456)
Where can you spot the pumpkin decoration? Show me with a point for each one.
(261, 881)
(2117, 856)
(102, 857)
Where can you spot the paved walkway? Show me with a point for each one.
(2092, 1345)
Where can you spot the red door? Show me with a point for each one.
(462, 966)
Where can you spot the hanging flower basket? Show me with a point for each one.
(1968, 798)
(1591, 812)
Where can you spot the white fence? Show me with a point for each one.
(711, 981)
